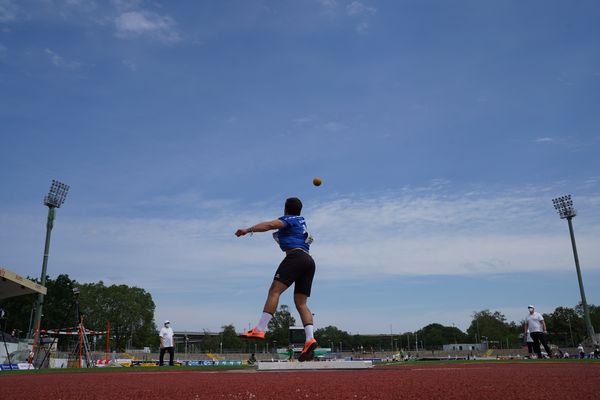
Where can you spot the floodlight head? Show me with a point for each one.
(564, 206)
(57, 194)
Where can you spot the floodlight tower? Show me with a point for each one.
(54, 199)
(565, 209)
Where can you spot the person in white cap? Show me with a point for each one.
(167, 343)
(537, 329)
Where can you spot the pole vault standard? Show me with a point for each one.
(82, 352)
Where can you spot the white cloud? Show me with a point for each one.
(334, 126)
(126, 5)
(412, 232)
(423, 234)
(358, 8)
(8, 11)
(141, 23)
(85, 4)
(60, 61)
(303, 119)
(362, 27)
(545, 140)
(328, 5)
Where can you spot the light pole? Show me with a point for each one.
(565, 209)
(54, 199)
(571, 332)
(454, 326)
(416, 342)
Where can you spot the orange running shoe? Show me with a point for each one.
(253, 334)
(308, 352)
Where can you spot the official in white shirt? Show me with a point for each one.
(537, 329)
(167, 343)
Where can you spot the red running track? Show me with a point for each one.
(461, 381)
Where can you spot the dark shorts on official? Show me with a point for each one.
(297, 267)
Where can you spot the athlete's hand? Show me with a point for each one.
(241, 232)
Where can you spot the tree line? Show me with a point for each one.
(130, 311)
(566, 328)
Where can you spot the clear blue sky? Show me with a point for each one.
(441, 130)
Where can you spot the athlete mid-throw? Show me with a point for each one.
(297, 267)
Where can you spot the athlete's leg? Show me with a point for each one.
(258, 332)
(305, 314)
(275, 291)
(308, 352)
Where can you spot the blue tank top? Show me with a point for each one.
(294, 234)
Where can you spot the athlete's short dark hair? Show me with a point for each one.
(293, 206)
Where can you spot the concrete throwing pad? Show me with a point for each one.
(312, 365)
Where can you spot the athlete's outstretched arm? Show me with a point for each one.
(261, 227)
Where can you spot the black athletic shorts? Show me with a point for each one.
(299, 267)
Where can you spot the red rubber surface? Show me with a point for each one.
(460, 381)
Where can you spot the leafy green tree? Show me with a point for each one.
(19, 311)
(365, 343)
(58, 310)
(594, 315)
(279, 326)
(493, 328)
(330, 336)
(230, 338)
(565, 327)
(434, 336)
(211, 343)
(130, 311)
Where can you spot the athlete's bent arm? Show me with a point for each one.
(261, 227)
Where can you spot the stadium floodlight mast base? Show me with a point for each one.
(54, 199)
(565, 209)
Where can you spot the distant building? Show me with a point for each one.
(465, 347)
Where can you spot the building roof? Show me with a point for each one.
(12, 285)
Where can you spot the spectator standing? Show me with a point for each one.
(537, 329)
(167, 343)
